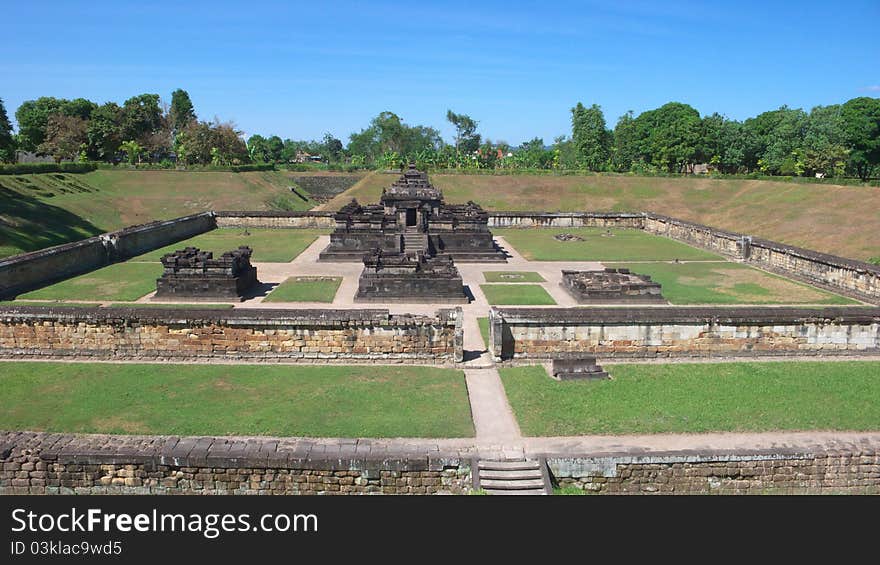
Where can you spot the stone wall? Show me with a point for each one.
(28, 271)
(533, 333)
(565, 220)
(284, 220)
(255, 335)
(777, 471)
(838, 274)
(726, 243)
(40, 463)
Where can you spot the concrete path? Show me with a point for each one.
(494, 421)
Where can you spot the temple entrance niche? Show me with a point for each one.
(411, 218)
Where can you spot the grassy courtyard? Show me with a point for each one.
(305, 289)
(597, 245)
(513, 277)
(315, 401)
(118, 282)
(698, 397)
(270, 246)
(511, 294)
(729, 283)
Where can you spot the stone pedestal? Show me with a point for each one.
(611, 286)
(576, 368)
(405, 278)
(194, 275)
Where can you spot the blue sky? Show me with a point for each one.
(300, 69)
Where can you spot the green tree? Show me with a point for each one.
(65, 137)
(274, 148)
(258, 149)
(104, 131)
(32, 117)
(669, 136)
(467, 140)
(778, 135)
(388, 135)
(332, 148)
(182, 111)
(625, 145)
(132, 150)
(590, 138)
(861, 133)
(7, 141)
(141, 118)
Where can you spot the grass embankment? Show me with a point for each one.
(697, 397)
(326, 401)
(48, 209)
(305, 289)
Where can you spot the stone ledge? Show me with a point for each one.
(696, 315)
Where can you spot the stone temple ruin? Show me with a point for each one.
(402, 277)
(192, 274)
(611, 286)
(412, 218)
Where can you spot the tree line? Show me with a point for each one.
(840, 140)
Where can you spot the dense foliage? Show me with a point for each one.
(836, 141)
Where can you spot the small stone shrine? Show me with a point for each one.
(573, 368)
(611, 286)
(412, 218)
(409, 277)
(191, 274)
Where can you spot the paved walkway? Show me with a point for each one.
(494, 421)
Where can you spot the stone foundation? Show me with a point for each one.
(534, 333)
(33, 463)
(779, 471)
(254, 335)
(191, 274)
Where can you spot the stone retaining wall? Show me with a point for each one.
(778, 471)
(283, 220)
(28, 271)
(255, 335)
(39, 463)
(533, 333)
(51, 463)
(846, 276)
(565, 220)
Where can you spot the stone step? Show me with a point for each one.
(511, 475)
(512, 485)
(518, 465)
(528, 492)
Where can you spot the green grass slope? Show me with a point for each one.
(831, 218)
(38, 211)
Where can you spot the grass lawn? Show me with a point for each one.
(698, 397)
(270, 246)
(538, 244)
(305, 289)
(316, 401)
(729, 283)
(117, 282)
(512, 276)
(13, 303)
(527, 294)
(484, 329)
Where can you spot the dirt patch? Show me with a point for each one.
(120, 424)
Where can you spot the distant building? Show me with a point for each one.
(303, 157)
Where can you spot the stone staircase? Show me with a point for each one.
(524, 476)
(415, 242)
